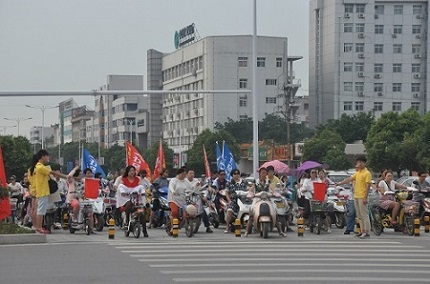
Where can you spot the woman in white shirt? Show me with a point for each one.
(387, 188)
(307, 192)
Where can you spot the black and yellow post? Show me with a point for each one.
(237, 228)
(357, 227)
(300, 226)
(175, 228)
(426, 224)
(111, 230)
(417, 227)
(65, 224)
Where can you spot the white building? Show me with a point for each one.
(120, 118)
(216, 63)
(367, 55)
(36, 135)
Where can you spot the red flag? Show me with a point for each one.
(3, 180)
(4, 203)
(135, 159)
(160, 163)
(207, 168)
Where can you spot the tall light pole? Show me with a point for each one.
(6, 126)
(18, 120)
(130, 121)
(42, 108)
(255, 161)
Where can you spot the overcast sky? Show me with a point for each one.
(75, 44)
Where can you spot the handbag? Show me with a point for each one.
(53, 186)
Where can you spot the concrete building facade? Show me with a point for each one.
(367, 55)
(217, 63)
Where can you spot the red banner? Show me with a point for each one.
(3, 180)
(135, 159)
(207, 168)
(160, 164)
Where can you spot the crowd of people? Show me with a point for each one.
(34, 195)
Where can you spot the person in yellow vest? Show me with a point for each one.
(40, 179)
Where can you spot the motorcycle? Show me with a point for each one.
(244, 203)
(423, 197)
(336, 208)
(187, 218)
(265, 217)
(381, 219)
(210, 208)
(86, 209)
(137, 220)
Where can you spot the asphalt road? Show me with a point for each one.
(218, 257)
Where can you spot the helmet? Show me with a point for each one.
(191, 210)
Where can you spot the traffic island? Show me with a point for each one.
(14, 234)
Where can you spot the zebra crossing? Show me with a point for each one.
(281, 262)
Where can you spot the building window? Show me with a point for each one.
(397, 48)
(378, 87)
(416, 48)
(243, 83)
(349, 8)
(347, 106)
(397, 67)
(415, 87)
(415, 106)
(279, 62)
(242, 61)
(359, 28)
(347, 86)
(397, 87)
(378, 67)
(377, 106)
(416, 67)
(347, 47)
(397, 29)
(416, 9)
(416, 29)
(270, 100)
(347, 67)
(131, 107)
(243, 101)
(397, 106)
(379, 29)
(270, 82)
(379, 9)
(347, 27)
(359, 86)
(398, 9)
(306, 106)
(243, 117)
(359, 47)
(141, 122)
(359, 8)
(359, 106)
(379, 48)
(261, 61)
(359, 67)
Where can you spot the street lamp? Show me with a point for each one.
(18, 120)
(6, 126)
(42, 108)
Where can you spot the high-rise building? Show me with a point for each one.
(216, 63)
(119, 118)
(367, 55)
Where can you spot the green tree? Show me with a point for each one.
(327, 147)
(389, 140)
(241, 129)
(114, 158)
(350, 127)
(208, 139)
(16, 155)
(416, 145)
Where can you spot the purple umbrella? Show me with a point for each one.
(308, 165)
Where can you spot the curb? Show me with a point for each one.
(9, 239)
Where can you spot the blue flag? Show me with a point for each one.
(219, 159)
(229, 161)
(88, 161)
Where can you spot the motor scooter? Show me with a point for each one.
(136, 220)
(159, 195)
(335, 207)
(84, 223)
(210, 208)
(99, 208)
(265, 217)
(187, 218)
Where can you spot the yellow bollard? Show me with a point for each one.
(65, 220)
(357, 227)
(175, 228)
(237, 228)
(417, 227)
(111, 230)
(300, 227)
(426, 224)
